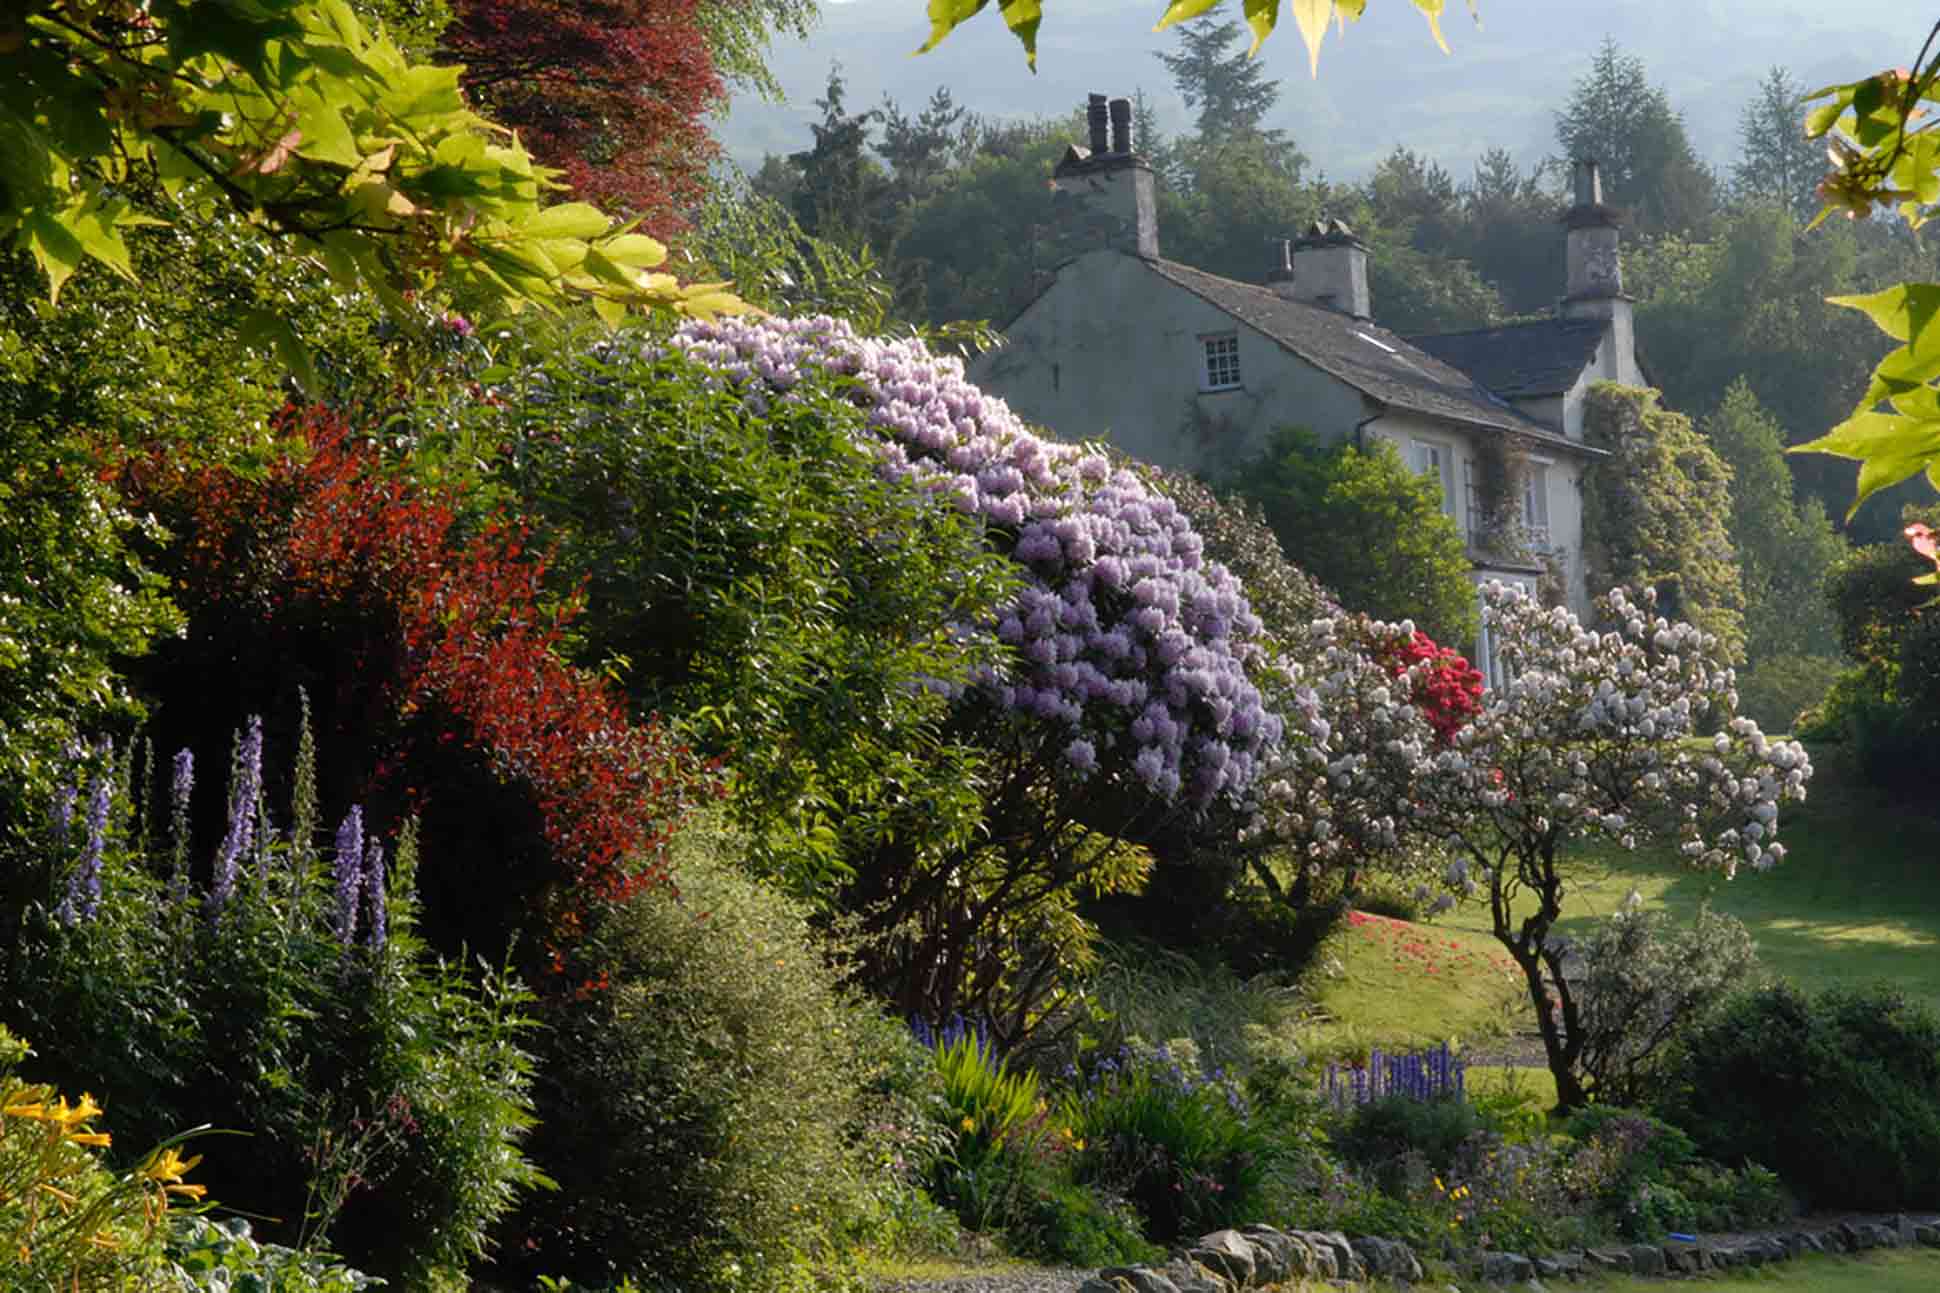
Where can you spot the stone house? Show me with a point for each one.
(1196, 372)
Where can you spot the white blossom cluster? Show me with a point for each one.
(1124, 636)
(1601, 731)
(1344, 783)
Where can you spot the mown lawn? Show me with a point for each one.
(1914, 1270)
(1856, 901)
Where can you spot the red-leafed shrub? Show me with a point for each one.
(1448, 691)
(428, 647)
(611, 92)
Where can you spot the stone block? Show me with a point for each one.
(1140, 1279)
(1507, 1268)
(1228, 1252)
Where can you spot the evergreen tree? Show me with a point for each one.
(1229, 89)
(1617, 117)
(922, 150)
(842, 192)
(1776, 162)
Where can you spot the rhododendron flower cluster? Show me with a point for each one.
(1124, 637)
(1589, 735)
(1448, 690)
(1357, 738)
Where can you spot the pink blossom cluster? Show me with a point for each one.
(1123, 635)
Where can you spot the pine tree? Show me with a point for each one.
(1627, 125)
(1229, 89)
(1776, 162)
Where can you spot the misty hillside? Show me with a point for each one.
(1381, 85)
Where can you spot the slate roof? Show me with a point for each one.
(1522, 360)
(1364, 355)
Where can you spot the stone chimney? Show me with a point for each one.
(1105, 193)
(1330, 269)
(1280, 276)
(1595, 269)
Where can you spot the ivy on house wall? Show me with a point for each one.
(1657, 512)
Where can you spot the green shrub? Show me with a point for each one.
(1367, 527)
(1778, 689)
(701, 1092)
(1838, 1093)
(208, 1256)
(1642, 982)
(1180, 1144)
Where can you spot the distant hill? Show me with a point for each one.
(1384, 84)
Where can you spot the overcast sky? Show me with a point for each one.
(1382, 83)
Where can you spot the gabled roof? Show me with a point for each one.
(1521, 360)
(1376, 362)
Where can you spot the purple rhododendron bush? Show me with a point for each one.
(1125, 637)
(1122, 714)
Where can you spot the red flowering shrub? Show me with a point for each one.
(1449, 691)
(611, 92)
(428, 648)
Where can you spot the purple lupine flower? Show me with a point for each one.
(246, 786)
(84, 881)
(375, 897)
(180, 789)
(348, 869)
(61, 814)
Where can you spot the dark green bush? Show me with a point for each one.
(701, 1094)
(1382, 1131)
(1838, 1093)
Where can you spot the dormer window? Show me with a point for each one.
(1222, 362)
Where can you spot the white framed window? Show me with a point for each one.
(1433, 458)
(1535, 505)
(1487, 659)
(1222, 363)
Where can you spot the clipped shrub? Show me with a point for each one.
(1180, 1144)
(1839, 1093)
(701, 1094)
(1642, 981)
(384, 1091)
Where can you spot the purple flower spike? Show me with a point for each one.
(84, 882)
(242, 815)
(180, 791)
(374, 896)
(348, 868)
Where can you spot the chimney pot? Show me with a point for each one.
(1589, 182)
(1121, 126)
(1096, 117)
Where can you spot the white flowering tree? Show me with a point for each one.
(1125, 712)
(1597, 734)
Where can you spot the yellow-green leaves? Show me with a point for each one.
(321, 128)
(1310, 16)
(1891, 446)
(1883, 147)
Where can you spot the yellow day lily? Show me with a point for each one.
(99, 1139)
(169, 1166)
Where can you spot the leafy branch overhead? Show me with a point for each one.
(1312, 16)
(1884, 150)
(320, 129)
